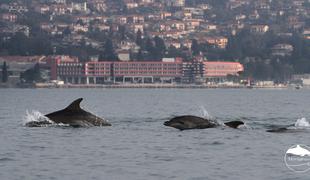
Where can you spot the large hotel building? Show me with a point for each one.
(166, 71)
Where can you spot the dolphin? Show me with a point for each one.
(278, 130)
(72, 115)
(286, 130)
(291, 128)
(195, 122)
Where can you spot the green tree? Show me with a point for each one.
(173, 52)
(149, 47)
(140, 55)
(281, 71)
(66, 31)
(108, 52)
(122, 32)
(139, 38)
(18, 45)
(40, 45)
(33, 74)
(301, 54)
(5, 1)
(195, 48)
(4, 73)
(159, 49)
(301, 65)
(233, 49)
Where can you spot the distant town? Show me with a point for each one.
(234, 43)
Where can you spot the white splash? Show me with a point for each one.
(33, 116)
(205, 113)
(244, 126)
(302, 122)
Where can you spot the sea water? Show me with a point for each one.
(138, 145)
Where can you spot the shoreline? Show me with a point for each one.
(141, 86)
(158, 86)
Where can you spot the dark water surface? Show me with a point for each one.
(137, 145)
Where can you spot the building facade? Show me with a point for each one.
(167, 71)
(222, 69)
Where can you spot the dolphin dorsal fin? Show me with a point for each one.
(75, 105)
(234, 124)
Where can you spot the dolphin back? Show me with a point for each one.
(75, 116)
(234, 124)
(75, 105)
(189, 122)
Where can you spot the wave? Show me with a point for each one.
(302, 123)
(35, 116)
(245, 126)
(205, 113)
(37, 119)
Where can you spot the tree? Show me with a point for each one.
(233, 49)
(17, 45)
(281, 71)
(160, 48)
(195, 47)
(66, 31)
(140, 55)
(139, 38)
(80, 22)
(4, 73)
(173, 52)
(37, 72)
(40, 44)
(122, 32)
(149, 47)
(108, 52)
(33, 74)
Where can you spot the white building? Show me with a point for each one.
(175, 3)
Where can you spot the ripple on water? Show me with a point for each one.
(5, 159)
(139, 146)
(97, 165)
(156, 175)
(212, 143)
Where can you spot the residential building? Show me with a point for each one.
(282, 50)
(10, 17)
(260, 29)
(215, 69)
(175, 3)
(167, 70)
(217, 41)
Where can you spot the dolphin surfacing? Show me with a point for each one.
(75, 116)
(286, 130)
(195, 122)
